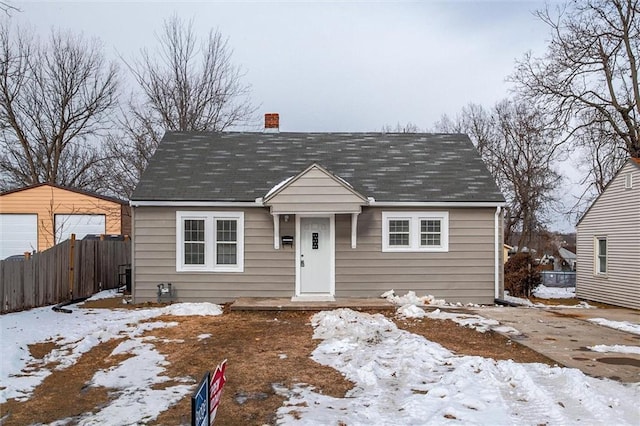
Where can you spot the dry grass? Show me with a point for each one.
(255, 345)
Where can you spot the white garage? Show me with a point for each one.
(18, 234)
(79, 224)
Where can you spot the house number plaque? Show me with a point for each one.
(314, 241)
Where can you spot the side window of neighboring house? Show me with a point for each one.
(601, 255)
(415, 231)
(209, 241)
(628, 181)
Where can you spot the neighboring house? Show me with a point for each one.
(506, 249)
(567, 261)
(37, 217)
(314, 216)
(608, 246)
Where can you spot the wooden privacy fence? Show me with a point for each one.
(86, 266)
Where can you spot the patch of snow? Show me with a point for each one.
(192, 309)
(477, 322)
(627, 326)
(282, 356)
(74, 334)
(412, 299)
(204, 336)
(544, 292)
(623, 349)
(278, 186)
(106, 294)
(402, 378)
(411, 311)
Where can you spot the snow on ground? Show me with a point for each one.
(402, 378)
(476, 322)
(80, 331)
(623, 349)
(627, 326)
(526, 302)
(544, 292)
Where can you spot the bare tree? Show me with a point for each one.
(55, 97)
(590, 69)
(186, 85)
(7, 8)
(519, 151)
(401, 128)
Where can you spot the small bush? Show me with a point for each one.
(520, 275)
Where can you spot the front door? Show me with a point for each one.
(315, 256)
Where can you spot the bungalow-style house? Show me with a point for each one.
(37, 217)
(608, 242)
(316, 216)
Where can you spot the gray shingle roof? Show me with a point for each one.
(204, 166)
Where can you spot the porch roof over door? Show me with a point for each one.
(314, 190)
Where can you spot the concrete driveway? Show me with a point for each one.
(563, 334)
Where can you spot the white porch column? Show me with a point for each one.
(354, 229)
(276, 231)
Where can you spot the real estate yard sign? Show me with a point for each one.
(200, 403)
(206, 399)
(215, 390)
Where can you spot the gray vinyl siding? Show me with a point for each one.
(463, 274)
(616, 216)
(315, 192)
(267, 272)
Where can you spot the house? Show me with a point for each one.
(506, 249)
(37, 217)
(567, 261)
(608, 242)
(315, 216)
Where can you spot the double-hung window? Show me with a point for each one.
(209, 241)
(601, 255)
(415, 231)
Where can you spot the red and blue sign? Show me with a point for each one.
(206, 399)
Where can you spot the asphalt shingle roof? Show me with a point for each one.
(234, 166)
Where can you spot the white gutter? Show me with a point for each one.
(497, 247)
(196, 203)
(435, 204)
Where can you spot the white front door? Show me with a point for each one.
(316, 243)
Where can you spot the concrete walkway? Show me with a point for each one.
(564, 334)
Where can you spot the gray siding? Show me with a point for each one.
(615, 215)
(464, 274)
(315, 192)
(267, 272)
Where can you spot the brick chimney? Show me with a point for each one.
(272, 122)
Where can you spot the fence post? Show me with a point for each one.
(72, 247)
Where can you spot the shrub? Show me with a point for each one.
(520, 275)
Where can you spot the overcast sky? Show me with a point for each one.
(336, 66)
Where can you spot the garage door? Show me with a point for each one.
(79, 224)
(18, 233)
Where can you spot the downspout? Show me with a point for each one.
(496, 256)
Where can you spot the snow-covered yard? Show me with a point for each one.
(399, 377)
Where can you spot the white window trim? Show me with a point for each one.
(596, 252)
(414, 231)
(209, 239)
(628, 181)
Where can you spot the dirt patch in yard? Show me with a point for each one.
(264, 351)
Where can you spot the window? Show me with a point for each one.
(601, 255)
(415, 231)
(628, 181)
(209, 241)
(399, 233)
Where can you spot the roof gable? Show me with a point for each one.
(64, 188)
(632, 164)
(241, 167)
(315, 189)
